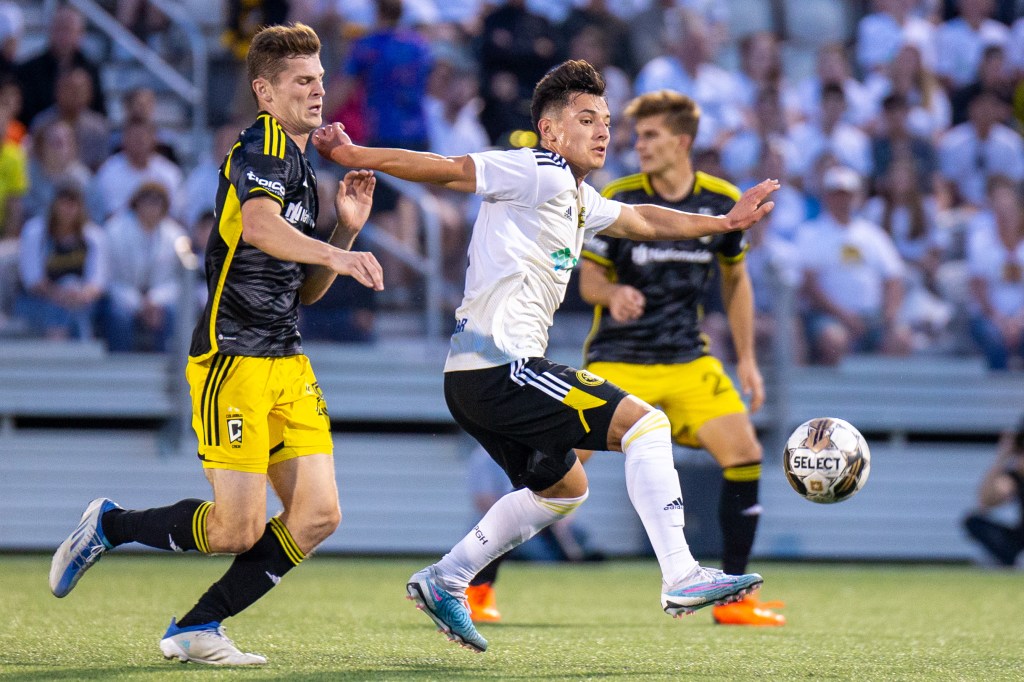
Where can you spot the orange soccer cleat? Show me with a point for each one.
(749, 611)
(482, 606)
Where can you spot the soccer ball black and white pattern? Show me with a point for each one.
(827, 460)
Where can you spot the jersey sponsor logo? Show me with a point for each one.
(234, 424)
(643, 254)
(297, 213)
(563, 259)
(588, 379)
(272, 185)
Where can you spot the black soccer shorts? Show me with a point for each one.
(530, 414)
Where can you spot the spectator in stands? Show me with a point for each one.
(616, 31)
(392, 63)
(761, 69)
(453, 122)
(39, 75)
(53, 162)
(994, 75)
(995, 260)
(929, 114)
(123, 173)
(852, 278)
(960, 42)
(199, 234)
(71, 104)
(893, 24)
(833, 67)
(910, 219)
(12, 26)
(198, 192)
(13, 175)
(791, 204)
(893, 139)
(743, 151)
(140, 103)
(143, 266)
(1015, 50)
(1002, 484)
(832, 134)
(972, 152)
(62, 262)
(347, 311)
(517, 47)
(686, 67)
(10, 100)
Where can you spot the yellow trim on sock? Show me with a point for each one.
(740, 474)
(295, 555)
(199, 527)
(660, 421)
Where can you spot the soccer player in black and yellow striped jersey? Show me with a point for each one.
(646, 336)
(257, 408)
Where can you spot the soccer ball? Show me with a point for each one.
(826, 460)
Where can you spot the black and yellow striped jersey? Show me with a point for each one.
(252, 308)
(672, 275)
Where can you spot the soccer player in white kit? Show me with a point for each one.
(528, 412)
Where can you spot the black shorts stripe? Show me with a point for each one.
(277, 448)
(203, 404)
(211, 409)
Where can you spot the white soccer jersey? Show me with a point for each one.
(526, 241)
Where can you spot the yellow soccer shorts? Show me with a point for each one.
(250, 413)
(691, 394)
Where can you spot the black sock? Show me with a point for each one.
(489, 573)
(179, 527)
(251, 575)
(738, 513)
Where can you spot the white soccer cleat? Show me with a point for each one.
(206, 643)
(80, 550)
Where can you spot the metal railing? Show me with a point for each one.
(194, 92)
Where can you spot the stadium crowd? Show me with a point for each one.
(900, 222)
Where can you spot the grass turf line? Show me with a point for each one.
(347, 619)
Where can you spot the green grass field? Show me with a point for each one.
(347, 619)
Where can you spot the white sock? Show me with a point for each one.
(653, 487)
(511, 521)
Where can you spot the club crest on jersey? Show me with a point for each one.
(564, 260)
(582, 218)
(588, 379)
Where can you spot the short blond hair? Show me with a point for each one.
(681, 113)
(273, 45)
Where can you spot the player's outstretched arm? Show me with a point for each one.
(264, 228)
(646, 222)
(352, 204)
(456, 172)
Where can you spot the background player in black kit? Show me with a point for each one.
(256, 406)
(646, 337)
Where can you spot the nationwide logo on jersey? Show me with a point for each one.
(297, 213)
(564, 260)
(643, 254)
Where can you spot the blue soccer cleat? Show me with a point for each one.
(448, 611)
(81, 549)
(707, 586)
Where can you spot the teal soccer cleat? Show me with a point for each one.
(707, 586)
(83, 548)
(448, 611)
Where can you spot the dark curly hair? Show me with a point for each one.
(560, 83)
